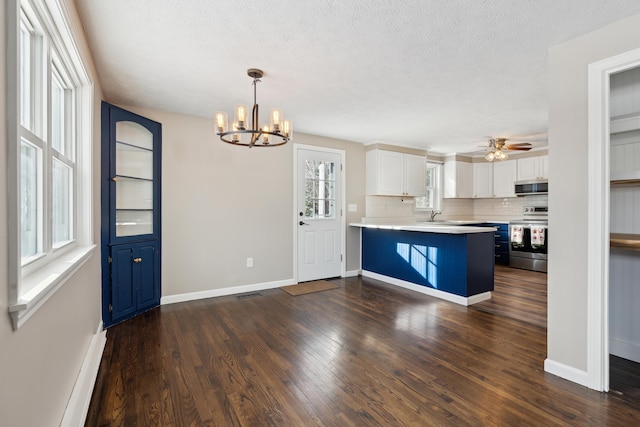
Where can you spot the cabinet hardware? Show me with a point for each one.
(114, 179)
(137, 260)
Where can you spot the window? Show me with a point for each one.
(320, 185)
(52, 151)
(433, 188)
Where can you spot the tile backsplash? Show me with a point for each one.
(404, 208)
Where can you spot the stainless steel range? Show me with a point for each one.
(529, 239)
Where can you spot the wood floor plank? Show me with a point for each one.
(366, 353)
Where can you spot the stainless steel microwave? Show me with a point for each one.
(526, 188)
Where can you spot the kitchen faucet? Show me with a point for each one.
(433, 215)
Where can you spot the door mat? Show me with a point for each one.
(308, 287)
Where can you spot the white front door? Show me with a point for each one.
(318, 216)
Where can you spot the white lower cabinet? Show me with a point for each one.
(458, 180)
(504, 176)
(390, 173)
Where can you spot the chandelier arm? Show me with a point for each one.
(255, 116)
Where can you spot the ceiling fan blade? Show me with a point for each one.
(520, 144)
(512, 148)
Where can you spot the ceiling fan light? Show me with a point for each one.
(490, 156)
(501, 155)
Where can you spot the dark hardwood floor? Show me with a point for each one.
(518, 294)
(366, 353)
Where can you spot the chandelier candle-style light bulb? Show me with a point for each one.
(245, 129)
(241, 116)
(221, 122)
(235, 137)
(276, 118)
(286, 128)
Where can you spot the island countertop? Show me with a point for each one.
(427, 227)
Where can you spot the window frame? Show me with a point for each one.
(437, 188)
(53, 54)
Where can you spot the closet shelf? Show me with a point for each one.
(625, 123)
(625, 241)
(615, 182)
(625, 178)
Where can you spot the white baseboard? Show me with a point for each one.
(466, 301)
(212, 293)
(78, 405)
(567, 372)
(624, 349)
(352, 273)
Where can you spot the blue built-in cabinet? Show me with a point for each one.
(130, 229)
(459, 264)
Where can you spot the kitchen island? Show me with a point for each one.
(448, 261)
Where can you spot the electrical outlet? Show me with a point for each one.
(249, 262)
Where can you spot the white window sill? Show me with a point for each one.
(44, 282)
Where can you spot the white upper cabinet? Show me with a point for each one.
(458, 180)
(533, 168)
(415, 170)
(482, 180)
(504, 176)
(390, 173)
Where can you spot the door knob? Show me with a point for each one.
(137, 260)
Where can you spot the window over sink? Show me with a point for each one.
(433, 188)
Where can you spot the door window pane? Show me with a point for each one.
(319, 189)
(61, 191)
(29, 177)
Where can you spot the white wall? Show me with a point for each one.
(222, 204)
(40, 362)
(568, 171)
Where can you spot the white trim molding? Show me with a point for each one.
(466, 301)
(565, 371)
(598, 216)
(76, 412)
(232, 290)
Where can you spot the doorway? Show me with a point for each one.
(598, 286)
(624, 258)
(319, 217)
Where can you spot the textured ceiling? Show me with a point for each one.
(441, 75)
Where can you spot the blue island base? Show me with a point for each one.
(454, 267)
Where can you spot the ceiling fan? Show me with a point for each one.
(498, 146)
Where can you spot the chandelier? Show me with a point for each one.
(277, 132)
(496, 149)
